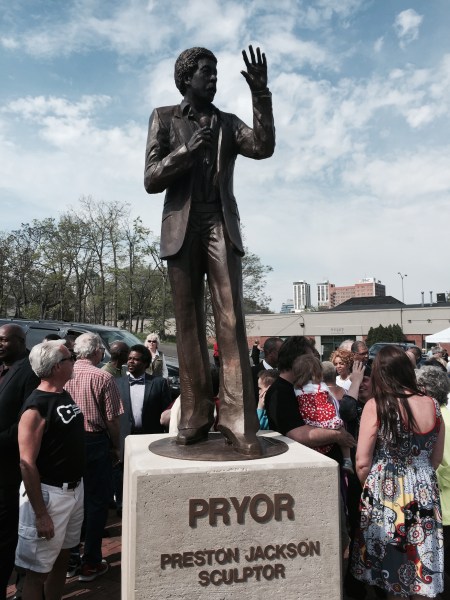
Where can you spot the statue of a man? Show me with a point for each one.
(191, 150)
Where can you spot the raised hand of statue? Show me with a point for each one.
(256, 74)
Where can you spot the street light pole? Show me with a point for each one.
(403, 290)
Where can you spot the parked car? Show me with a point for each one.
(375, 348)
(37, 330)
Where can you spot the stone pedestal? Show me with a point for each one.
(232, 530)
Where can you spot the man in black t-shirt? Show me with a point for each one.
(282, 406)
(52, 453)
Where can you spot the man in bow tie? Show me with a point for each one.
(144, 397)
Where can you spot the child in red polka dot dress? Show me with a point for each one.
(317, 406)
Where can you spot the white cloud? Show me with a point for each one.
(361, 135)
(403, 179)
(213, 23)
(38, 107)
(378, 45)
(9, 43)
(287, 51)
(317, 14)
(407, 25)
(139, 28)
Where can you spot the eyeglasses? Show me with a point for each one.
(152, 341)
(72, 357)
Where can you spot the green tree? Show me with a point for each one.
(93, 265)
(253, 289)
(391, 333)
(254, 274)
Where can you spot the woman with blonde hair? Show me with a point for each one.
(343, 361)
(158, 366)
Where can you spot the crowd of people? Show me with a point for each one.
(64, 420)
(63, 424)
(384, 422)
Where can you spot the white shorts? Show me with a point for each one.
(66, 509)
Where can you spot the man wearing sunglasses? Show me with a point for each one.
(52, 455)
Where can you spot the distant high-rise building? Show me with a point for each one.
(325, 296)
(329, 295)
(288, 306)
(302, 296)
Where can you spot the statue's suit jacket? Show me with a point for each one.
(15, 387)
(168, 164)
(156, 400)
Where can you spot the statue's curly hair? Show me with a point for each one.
(186, 64)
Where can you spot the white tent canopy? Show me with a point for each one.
(441, 337)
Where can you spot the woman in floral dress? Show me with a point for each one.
(399, 545)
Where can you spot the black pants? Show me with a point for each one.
(9, 525)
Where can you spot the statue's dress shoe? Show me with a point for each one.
(246, 444)
(193, 435)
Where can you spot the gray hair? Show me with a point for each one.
(435, 382)
(87, 344)
(328, 372)
(346, 345)
(357, 345)
(44, 356)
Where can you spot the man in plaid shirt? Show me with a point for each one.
(96, 393)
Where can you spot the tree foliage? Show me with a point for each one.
(94, 264)
(253, 286)
(391, 333)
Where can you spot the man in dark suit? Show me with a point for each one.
(270, 361)
(191, 151)
(17, 381)
(144, 397)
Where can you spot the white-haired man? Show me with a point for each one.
(52, 456)
(97, 395)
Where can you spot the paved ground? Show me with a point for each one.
(106, 587)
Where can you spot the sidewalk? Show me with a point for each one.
(106, 587)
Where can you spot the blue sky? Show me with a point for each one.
(359, 184)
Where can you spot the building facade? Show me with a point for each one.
(287, 307)
(330, 328)
(325, 295)
(330, 295)
(302, 296)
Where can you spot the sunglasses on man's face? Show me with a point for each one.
(72, 357)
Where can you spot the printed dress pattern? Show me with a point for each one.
(318, 409)
(399, 545)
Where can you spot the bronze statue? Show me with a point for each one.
(191, 150)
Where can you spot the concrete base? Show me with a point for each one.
(195, 529)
